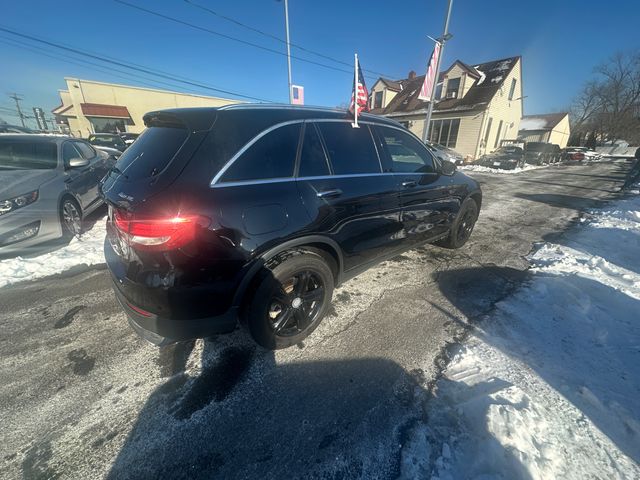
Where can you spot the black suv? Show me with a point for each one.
(255, 213)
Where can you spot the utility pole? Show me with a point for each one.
(17, 98)
(445, 36)
(286, 24)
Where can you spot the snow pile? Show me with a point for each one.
(480, 168)
(86, 249)
(549, 386)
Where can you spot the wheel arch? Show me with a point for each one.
(321, 244)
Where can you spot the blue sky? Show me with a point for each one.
(560, 42)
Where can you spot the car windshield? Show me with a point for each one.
(509, 150)
(27, 155)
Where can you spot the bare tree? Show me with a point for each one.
(609, 104)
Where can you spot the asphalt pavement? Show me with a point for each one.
(82, 397)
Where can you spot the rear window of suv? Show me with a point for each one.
(152, 152)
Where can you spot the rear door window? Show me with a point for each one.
(407, 154)
(351, 150)
(152, 152)
(271, 156)
(313, 161)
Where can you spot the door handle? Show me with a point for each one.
(409, 184)
(336, 192)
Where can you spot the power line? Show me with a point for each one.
(145, 70)
(274, 37)
(128, 76)
(229, 37)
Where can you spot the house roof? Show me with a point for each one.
(490, 77)
(395, 85)
(546, 121)
(101, 110)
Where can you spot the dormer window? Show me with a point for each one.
(453, 85)
(377, 100)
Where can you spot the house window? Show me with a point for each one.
(486, 134)
(452, 87)
(445, 132)
(377, 100)
(513, 89)
(498, 134)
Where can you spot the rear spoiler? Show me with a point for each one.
(194, 119)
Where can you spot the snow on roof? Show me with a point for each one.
(545, 121)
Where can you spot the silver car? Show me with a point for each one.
(445, 153)
(47, 185)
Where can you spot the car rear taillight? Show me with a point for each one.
(159, 234)
(577, 156)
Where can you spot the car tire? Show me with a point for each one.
(70, 218)
(292, 297)
(462, 226)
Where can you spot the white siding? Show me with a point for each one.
(501, 108)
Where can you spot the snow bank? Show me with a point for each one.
(87, 250)
(479, 168)
(548, 386)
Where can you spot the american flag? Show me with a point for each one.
(359, 93)
(430, 78)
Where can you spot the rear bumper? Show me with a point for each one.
(162, 331)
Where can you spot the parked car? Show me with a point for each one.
(508, 157)
(541, 153)
(6, 128)
(588, 154)
(445, 153)
(572, 154)
(129, 137)
(258, 212)
(110, 140)
(47, 185)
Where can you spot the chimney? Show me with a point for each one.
(412, 75)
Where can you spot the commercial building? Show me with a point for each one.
(476, 107)
(97, 107)
(549, 128)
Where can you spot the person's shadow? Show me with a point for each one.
(245, 415)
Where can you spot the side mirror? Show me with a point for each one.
(448, 168)
(78, 162)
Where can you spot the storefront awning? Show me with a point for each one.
(101, 110)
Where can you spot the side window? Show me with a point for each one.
(85, 150)
(69, 152)
(271, 156)
(313, 161)
(407, 154)
(351, 150)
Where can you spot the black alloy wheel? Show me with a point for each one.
(297, 304)
(291, 299)
(462, 226)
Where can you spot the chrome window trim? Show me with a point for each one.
(248, 145)
(316, 177)
(216, 179)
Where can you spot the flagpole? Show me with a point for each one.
(445, 34)
(286, 22)
(355, 90)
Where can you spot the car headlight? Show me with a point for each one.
(15, 203)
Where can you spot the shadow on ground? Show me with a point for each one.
(246, 416)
